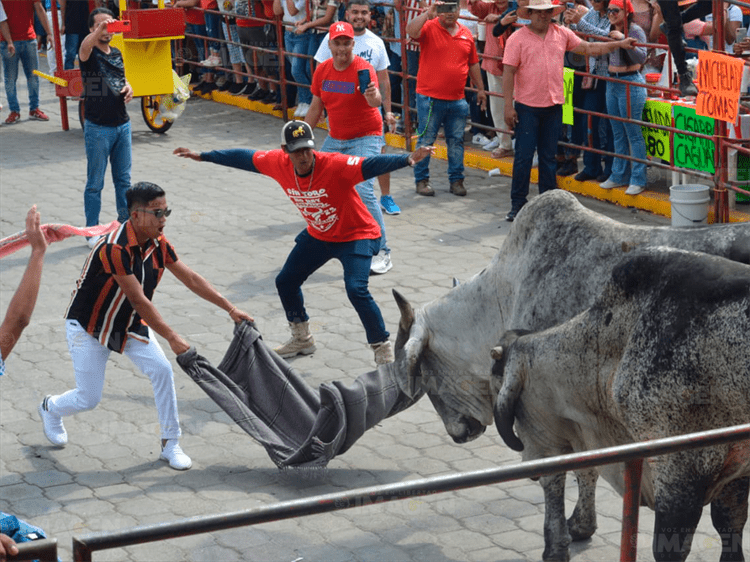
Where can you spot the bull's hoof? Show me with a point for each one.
(581, 530)
(556, 555)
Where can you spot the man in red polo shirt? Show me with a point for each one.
(448, 56)
(20, 15)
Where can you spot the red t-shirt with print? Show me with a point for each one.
(327, 197)
(349, 114)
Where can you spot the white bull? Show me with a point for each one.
(551, 267)
(662, 352)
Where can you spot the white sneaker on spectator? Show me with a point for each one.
(479, 139)
(492, 145)
(381, 263)
(213, 60)
(302, 109)
(609, 184)
(634, 189)
(174, 455)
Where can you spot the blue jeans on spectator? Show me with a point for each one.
(72, 44)
(26, 54)
(451, 114)
(595, 100)
(623, 171)
(299, 45)
(102, 144)
(316, 39)
(213, 30)
(538, 129)
(363, 146)
(309, 255)
(198, 29)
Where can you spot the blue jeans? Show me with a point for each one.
(309, 255)
(601, 131)
(72, 43)
(198, 29)
(538, 129)
(627, 133)
(26, 53)
(104, 143)
(299, 45)
(213, 30)
(451, 114)
(363, 146)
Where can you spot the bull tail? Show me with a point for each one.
(505, 405)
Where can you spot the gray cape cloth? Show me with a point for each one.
(271, 401)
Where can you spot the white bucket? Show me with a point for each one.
(689, 204)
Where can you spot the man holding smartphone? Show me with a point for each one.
(355, 125)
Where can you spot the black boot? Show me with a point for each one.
(687, 88)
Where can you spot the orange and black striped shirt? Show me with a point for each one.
(99, 304)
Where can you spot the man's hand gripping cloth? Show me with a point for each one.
(271, 401)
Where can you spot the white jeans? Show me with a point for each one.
(90, 360)
(497, 109)
(51, 61)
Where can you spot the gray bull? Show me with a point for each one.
(550, 267)
(662, 352)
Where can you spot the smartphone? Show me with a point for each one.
(447, 7)
(364, 79)
(570, 5)
(118, 26)
(741, 34)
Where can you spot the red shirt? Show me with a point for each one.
(445, 60)
(327, 197)
(263, 10)
(20, 19)
(349, 114)
(194, 16)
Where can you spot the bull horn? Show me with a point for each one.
(407, 312)
(505, 407)
(456, 282)
(497, 353)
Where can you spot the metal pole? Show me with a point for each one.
(59, 61)
(631, 502)
(44, 550)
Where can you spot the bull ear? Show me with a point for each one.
(497, 353)
(407, 312)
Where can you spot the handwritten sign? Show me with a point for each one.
(657, 140)
(719, 79)
(568, 105)
(691, 152)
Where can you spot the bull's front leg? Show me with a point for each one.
(556, 536)
(582, 524)
(729, 515)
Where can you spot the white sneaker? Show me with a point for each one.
(92, 242)
(479, 139)
(174, 455)
(213, 60)
(381, 263)
(609, 184)
(302, 110)
(54, 429)
(634, 189)
(492, 145)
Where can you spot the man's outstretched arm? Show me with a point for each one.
(241, 158)
(373, 166)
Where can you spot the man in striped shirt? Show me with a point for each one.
(111, 310)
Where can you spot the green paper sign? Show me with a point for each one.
(691, 152)
(568, 105)
(657, 140)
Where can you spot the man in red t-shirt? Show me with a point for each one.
(448, 56)
(20, 14)
(354, 121)
(321, 186)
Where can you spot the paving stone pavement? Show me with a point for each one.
(236, 229)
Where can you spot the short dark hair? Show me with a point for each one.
(96, 12)
(142, 194)
(358, 3)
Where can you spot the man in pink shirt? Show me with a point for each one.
(533, 76)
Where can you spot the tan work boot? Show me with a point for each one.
(457, 188)
(424, 188)
(383, 352)
(301, 342)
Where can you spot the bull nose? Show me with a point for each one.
(472, 429)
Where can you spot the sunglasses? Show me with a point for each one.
(613, 10)
(158, 213)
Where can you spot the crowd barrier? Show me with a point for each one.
(632, 455)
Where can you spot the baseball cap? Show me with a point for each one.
(296, 135)
(341, 29)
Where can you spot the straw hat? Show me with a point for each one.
(524, 13)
